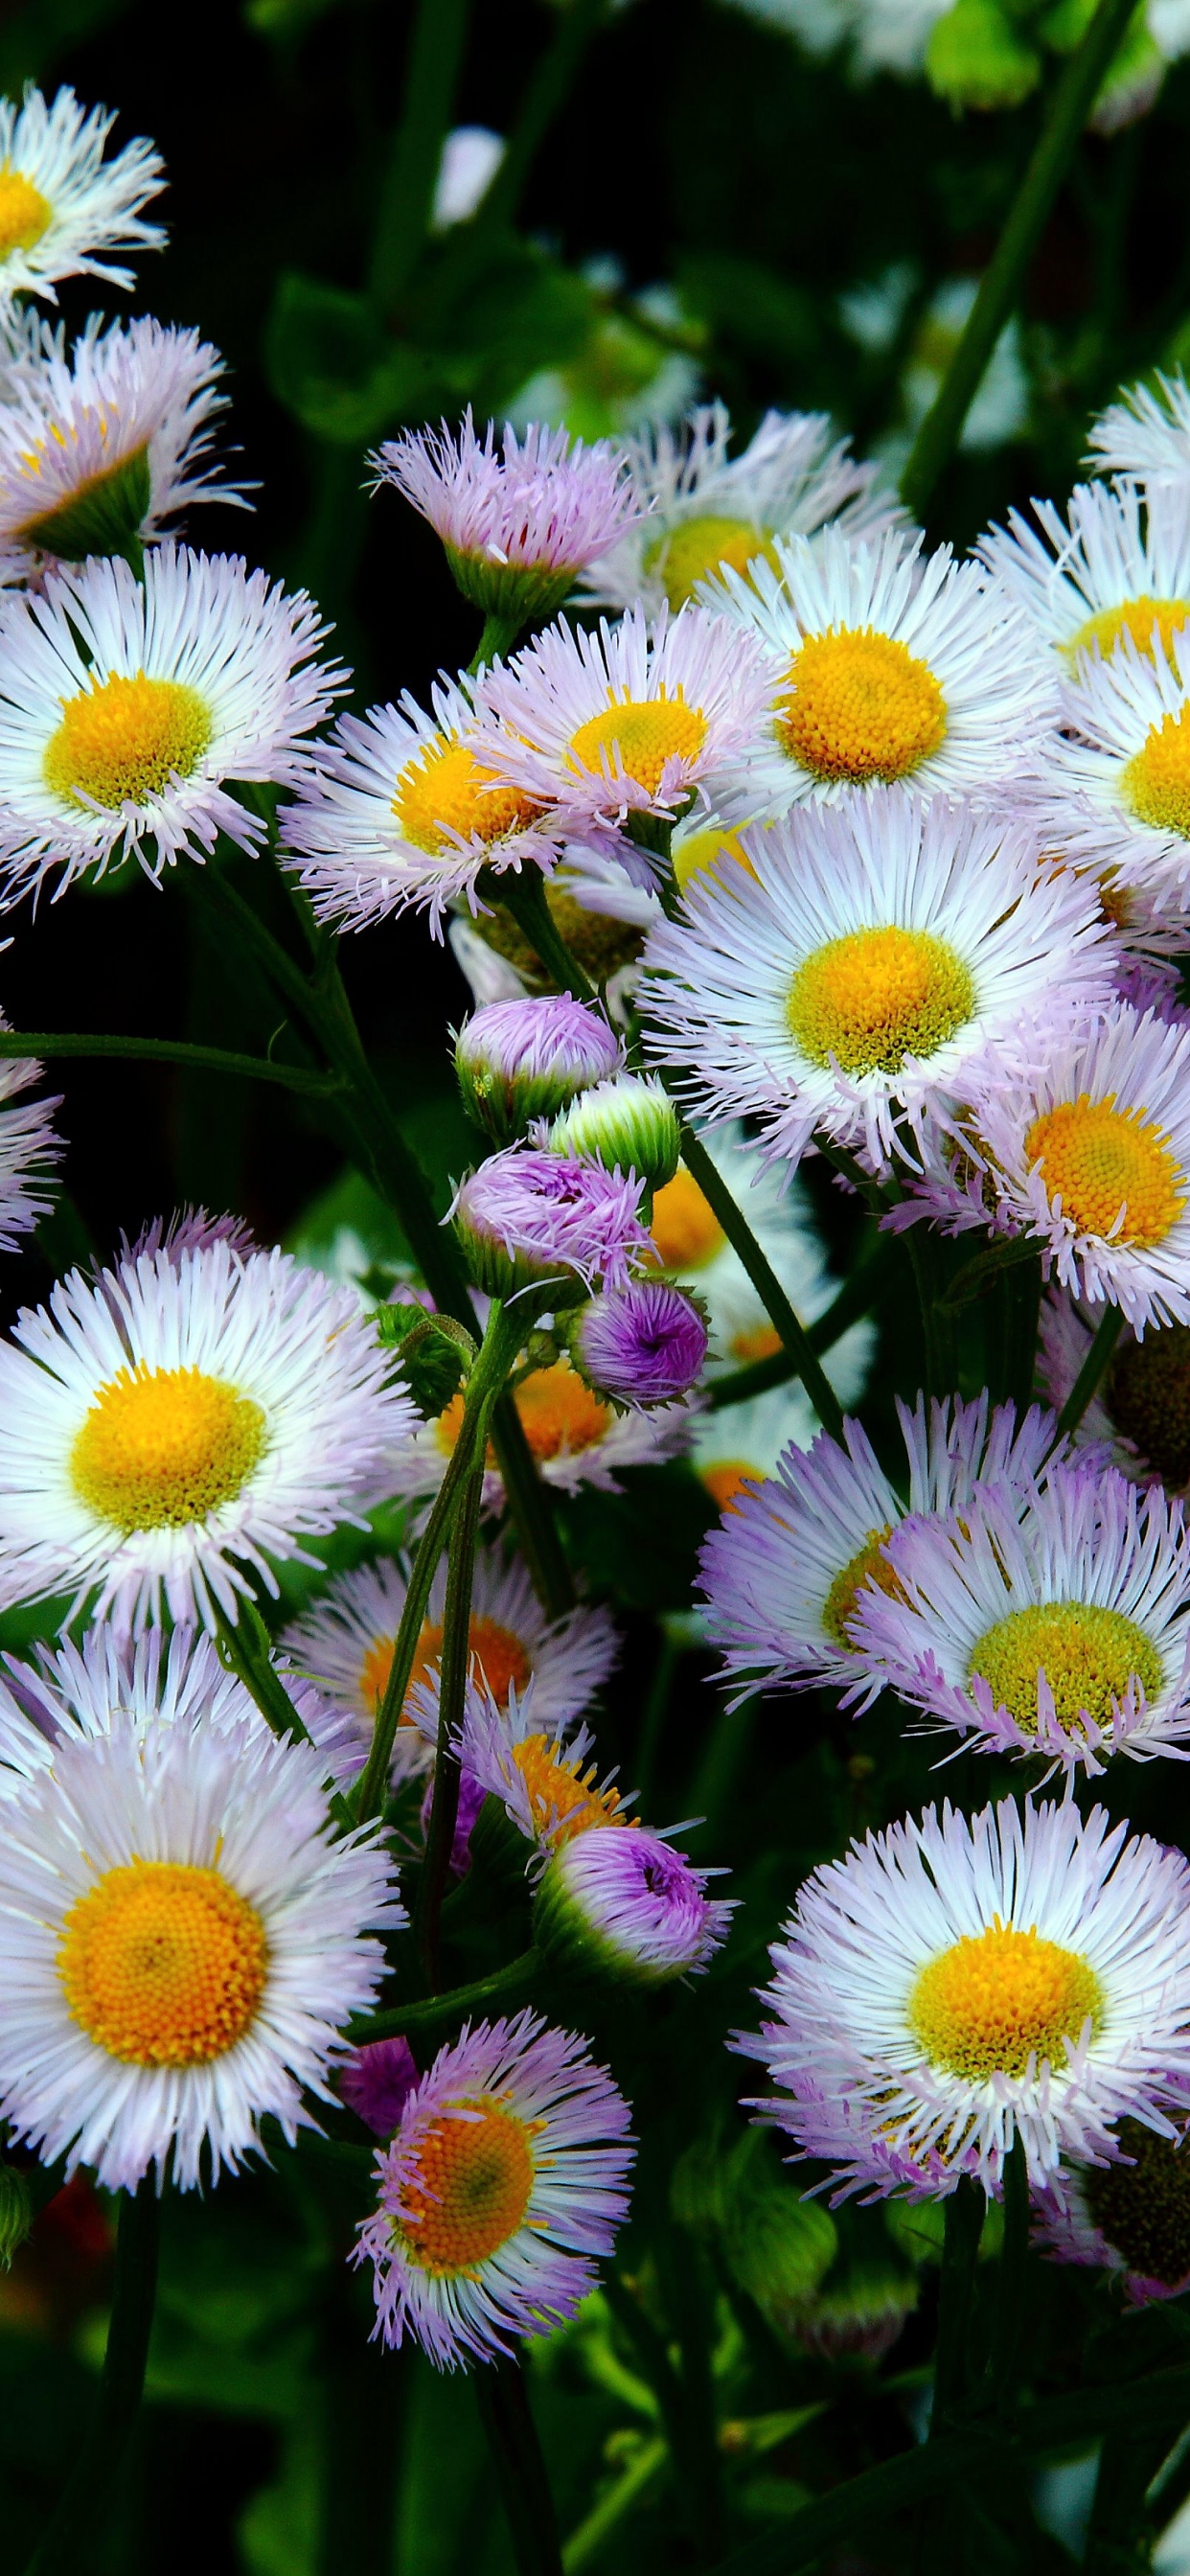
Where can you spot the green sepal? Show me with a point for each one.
(434, 1354)
(104, 518)
(17, 2212)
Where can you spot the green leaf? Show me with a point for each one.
(333, 365)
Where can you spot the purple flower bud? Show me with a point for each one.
(518, 521)
(191, 1229)
(641, 1345)
(531, 1220)
(622, 1900)
(375, 2082)
(521, 1060)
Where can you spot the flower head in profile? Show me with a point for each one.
(1146, 435)
(1130, 2218)
(64, 208)
(957, 1984)
(1061, 1630)
(1139, 1415)
(519, 520)
(169, 1426)
(641, 1345)
(527, 1219)
(886, 667)
(129, 713)
(521, 1060)
(629, 1906)
(541, 1772)
(108, 444)
(1117, 564)
(846, 979)
(182, 1943)
(402, 811)
(29, 1150)
(504, 2185)
(703, 508)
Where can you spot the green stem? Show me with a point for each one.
(855, 1298)
(245, 1647)
(999, 291)
(1094, 1369)
(429, 2010)
(796, 1340)
(452, 1693)
(65, 2545)
(548, 88)
(407, 196)
(372, 1787)
(525, 898)
(519, 2463)
(498, 637)
(586, 2542)
(960, 2249)
(528, 1501)
(51, 1043)
(937, 1322)
(1010, 2288)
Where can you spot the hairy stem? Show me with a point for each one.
(454, 2005)
(1093, 1371)
(519, 2463)
(65, 2545)
(407, 196)
(794, 1337)
(452, 1691)
(51, 1043)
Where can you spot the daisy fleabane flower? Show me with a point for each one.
(542, 1771)
(703, 508)
(624, 722)
(504, 2185)
(128, 712)
(29, 1150)
(1140, 1411)
(401, 810)
(628, 1906)
(1118, 564)
(1112, 792)
(1090, 1153)
(182, 1943)
(1062, 1630)
(784, 1574)
(170, 1425)
(886, 666)
(61, 203)
(519, 520)
(957, 1984)
(844, 980)
(1146, 435)
(1130, 2218)
(105, 444)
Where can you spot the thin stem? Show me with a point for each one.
(528, 1501)
(429, 2010)
(498, 637)
(452, 1691)
(407, 196)
(372, 1787)
(64, 2545)
(51, 1043)
(549, 85)
(586, 2541)
(519, 2463)
(999, 291)
(1009, 2323)
(246, 1648)
(855, 1298)
(794, 1336)
(960, 2249)
(1094, 1369)
(524, 897)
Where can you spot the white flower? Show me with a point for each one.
(1117, 565)
(180, 1945)
(871, 953)
(128, 714)
(1113, 790)
(61, 203)
(107, 443)
(954, 1985)
(176, 1422)
(1147, 434)
(704, 509)
(28, 1150)
(887, 665)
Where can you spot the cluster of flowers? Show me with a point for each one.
(894, 852)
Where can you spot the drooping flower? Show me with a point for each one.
(784, 1573)
(1115, 565)
(518, 1061)
(1061, 1630)
(848, 979)
(1146, 435)
(886, 666)
(29, 1150)
(402, 810)
(129, 712)
(518, 521)
(703, 509)
(108, 443)
(1130, 2218)
(182, 1944)
(641, 1345)
(1089, 1153)
(174, 1424)
(503, 2186)
(63, 208)
(624, 723)
(531, 1220)
(955, 1984)
(627, 1905)
(1140, 1411)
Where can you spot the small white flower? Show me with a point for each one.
(28, 1150)
(1116, 565)
(1113, 790)
(1146, 435)
(61, 203)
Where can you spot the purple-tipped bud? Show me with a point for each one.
(622, 1902)
(529, 1220)
(517, 1061)
(630, 1121)
(191, 1229)
(375, 2082)
(520, 521)
(641, 1345)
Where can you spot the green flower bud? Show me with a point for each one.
(629, 1123)
(433, 1354)
(976, 58)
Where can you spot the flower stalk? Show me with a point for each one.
(65, 2544)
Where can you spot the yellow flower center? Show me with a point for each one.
(557, 1412)
(469, 2191)
(700, 851)
(500, 1656)
(1000, 1997)
(868, 1565)
(727, 1478)
(563, 1800)
(697, 549)
(638, 736)
(873, 997)
(761, 1342)
(445, 790)
(686, 1233)
(861, 706)
(1134, 617)
(1088, 1655)
(121, 741)
(163, 1964)
(1100, 1160)
(1156, 782)
(1143, 2207)
(161, 1448)
(1148, 1397)
(24, 213)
